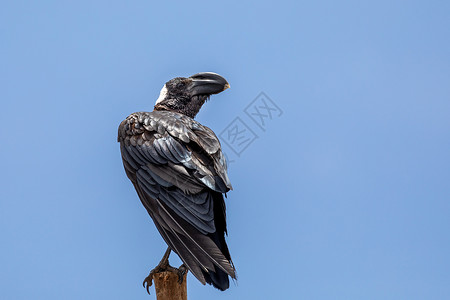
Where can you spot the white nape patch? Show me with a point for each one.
(162, 95)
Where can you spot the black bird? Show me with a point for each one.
(180, 174)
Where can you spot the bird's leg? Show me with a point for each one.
(162, 266)
(164, 260)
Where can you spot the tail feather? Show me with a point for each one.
(218, 279)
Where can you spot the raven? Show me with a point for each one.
(180, 175)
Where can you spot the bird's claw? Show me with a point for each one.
(182, 270)
(148, 281)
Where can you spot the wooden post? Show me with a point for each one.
(167, 286)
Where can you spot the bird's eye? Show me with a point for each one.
(180, 85)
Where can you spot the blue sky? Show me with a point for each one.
(345, 195)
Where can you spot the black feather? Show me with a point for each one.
(179, 173)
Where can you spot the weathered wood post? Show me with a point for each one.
(167, 286)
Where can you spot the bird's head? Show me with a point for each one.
(187, 95)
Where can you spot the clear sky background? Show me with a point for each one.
(344, 196)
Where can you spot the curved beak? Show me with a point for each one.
(207, 83)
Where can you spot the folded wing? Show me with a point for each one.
(179, 173)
